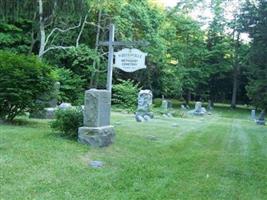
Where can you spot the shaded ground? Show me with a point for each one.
(223, 156)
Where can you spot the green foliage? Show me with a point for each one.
(68, 121)
(125, 94)
(71, 86)
(15, 36)
(23, 81)
(187, 61)
(80, 61)
(254, 21)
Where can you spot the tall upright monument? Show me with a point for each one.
(97, 130)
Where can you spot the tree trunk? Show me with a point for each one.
(235, 88)
(188, 98)
(95, 73)
(236, 72)
(42, 29)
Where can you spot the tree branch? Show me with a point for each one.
(93, 24)
(58, 47)
(81, 31)
(62, 30)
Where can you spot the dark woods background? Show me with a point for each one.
(184, 61)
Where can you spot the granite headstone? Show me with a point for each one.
(261, 119)
(97, 130)
(143, 112)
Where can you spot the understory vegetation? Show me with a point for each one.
(185, 61)
(67, 122)
(25, 83)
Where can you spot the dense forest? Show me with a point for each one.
(185, 60)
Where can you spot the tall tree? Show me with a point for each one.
(254, 21)
(218, 62)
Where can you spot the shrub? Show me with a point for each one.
(23, 80)
(68, 121)
(71, 86)
(80, 61)
(125, 94)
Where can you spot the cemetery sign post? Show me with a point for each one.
(133, 64)
(130, 60)
(96, 130)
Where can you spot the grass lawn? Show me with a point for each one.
(222, 156)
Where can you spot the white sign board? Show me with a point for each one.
(130, 60)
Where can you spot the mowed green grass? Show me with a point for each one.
(222, 156)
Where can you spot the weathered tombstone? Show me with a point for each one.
(65, 106)
(169, 104)
(198, 106)
(209, 107)
(97, 130)
(164, 106)
(49, 103)
(199, 110)
(261, 119)
(54, 97)
(144, 103)
(253, 115)
(183, 107)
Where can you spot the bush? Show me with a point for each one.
(68, 121)
(71, 86)
(23, 80)
(125, 94)
(80, 61)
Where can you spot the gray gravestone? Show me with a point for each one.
(54, 99)
(199, 110)
(49, 103)
(164, 106)
(198, 106)
(183, 107)
(253, 115)
(96, 164)
(97, 131)
(261, 119)
(65, 106)
(144, 103)
(169, 104)
(209, 108)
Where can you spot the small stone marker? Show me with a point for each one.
(169, 104)
(261, 119)
(164, 106)
(144, 103)
(151, 138)
(97, 130)
(175, 125)
(65, 106)
(183, 107)
(54, 101)
(209, 108)
(253, 115)
(96, 164)
(49, 102)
